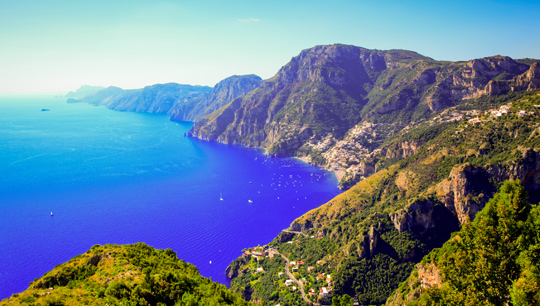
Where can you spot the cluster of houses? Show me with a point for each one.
(323, 292)
(340, 154)
(258, 253)
(324, 144)
(345, 156)
(350, 150)
(495, 113)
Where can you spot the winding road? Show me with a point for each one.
(293, 232)
(289, 274)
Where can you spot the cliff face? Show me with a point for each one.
(158, 98)
(182, 102)
(319, 90)
(432, 179)
(490, 261)
(223, 92)
(329, 89)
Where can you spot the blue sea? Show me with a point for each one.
(120, 177)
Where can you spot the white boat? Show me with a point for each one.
(52, 214)
(220, 196)
(250, 201)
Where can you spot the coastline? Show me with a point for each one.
(338, 173)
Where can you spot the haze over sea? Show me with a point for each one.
(118, 177)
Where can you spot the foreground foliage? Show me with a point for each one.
(134, 274)
(495, 260)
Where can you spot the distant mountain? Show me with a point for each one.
(82, 92)
(158, 98)
(182, 102)
(134, 274)
(222, 93)
(329, 89)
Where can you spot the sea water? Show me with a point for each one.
(119, 177)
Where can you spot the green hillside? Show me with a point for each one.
(495, 260)
(370, 238)
(134, 274)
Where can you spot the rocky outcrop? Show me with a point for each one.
(223, 92)
(94, 260)
(371, 241)
(285, 236)
(416, 218)
(527, 171)
(301, 227)
(403, 149)
(234, 269)
(429, 276)
(529, 80)
(366, 244)
(466, 191)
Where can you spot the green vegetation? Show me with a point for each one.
(134, 274)
(495, 260)
(371, 237)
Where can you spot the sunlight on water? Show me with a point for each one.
(116, 177)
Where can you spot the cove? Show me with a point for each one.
(118, 177)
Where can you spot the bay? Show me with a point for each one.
(118, 177)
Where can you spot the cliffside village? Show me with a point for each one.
(320, 293)
(353, 156)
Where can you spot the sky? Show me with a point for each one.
(57, 46)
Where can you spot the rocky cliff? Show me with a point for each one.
(438, 176)
(222, 93)
(330, 89)
(490, 261)
(158, 98)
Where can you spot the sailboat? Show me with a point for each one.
(220, 196)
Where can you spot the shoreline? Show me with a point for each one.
(338, 173)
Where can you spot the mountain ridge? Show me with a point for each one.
(326, 91)
(181, 102)
(158, 98)
(223, 92)
(422, 145)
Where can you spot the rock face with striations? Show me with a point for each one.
(223, 93)
(329, 89)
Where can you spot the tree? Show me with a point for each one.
(344, 300)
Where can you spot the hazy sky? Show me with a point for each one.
(59, 45)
